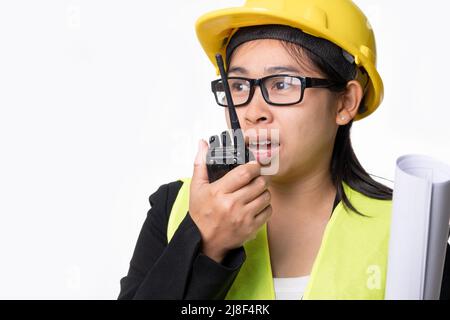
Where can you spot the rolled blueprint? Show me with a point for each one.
(419, 229)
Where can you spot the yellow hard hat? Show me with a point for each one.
(339, 21)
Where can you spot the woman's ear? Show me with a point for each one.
(349, 102)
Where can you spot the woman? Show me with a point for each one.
(318, 228)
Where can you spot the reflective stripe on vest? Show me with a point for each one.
(351, 262)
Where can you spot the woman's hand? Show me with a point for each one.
(231, 210)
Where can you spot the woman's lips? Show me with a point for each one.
(264, 153)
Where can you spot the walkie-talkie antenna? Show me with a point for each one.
(235, 125)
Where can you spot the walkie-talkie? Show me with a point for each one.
(231, 151)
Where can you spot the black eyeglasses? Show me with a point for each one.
(277, 90)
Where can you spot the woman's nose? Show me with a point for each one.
(257, 111)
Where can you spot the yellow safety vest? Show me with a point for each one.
(351, 262)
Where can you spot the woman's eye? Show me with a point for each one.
(238, 86)
(281, 85)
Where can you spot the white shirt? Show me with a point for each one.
(290, 288)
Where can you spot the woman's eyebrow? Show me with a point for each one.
(274, 69)
(281, 69)
(238, 70)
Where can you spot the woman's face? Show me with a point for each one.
(307, 130)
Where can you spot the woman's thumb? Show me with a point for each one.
(200, 173)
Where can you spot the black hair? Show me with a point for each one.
(344, 166)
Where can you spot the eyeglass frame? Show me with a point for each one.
(306, 82)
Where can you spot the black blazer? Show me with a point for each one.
(179, 270)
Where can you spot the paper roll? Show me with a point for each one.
(419, 229)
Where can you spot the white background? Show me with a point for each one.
(103, 101)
